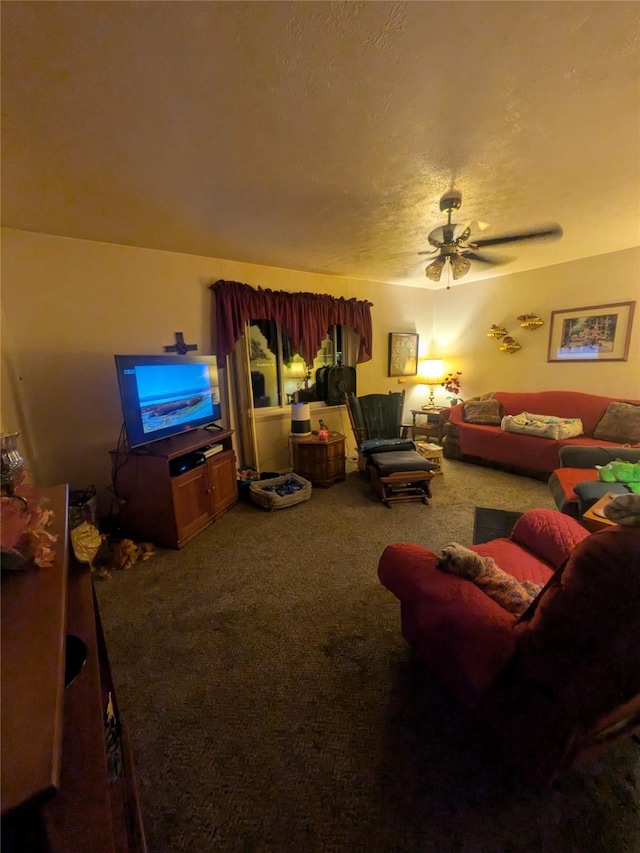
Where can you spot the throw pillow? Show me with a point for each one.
(589, 492)
(482, 412)
(620, 422)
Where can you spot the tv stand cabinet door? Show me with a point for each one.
(223, 482)
(190, 504)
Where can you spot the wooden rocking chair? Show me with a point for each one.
(396, 469)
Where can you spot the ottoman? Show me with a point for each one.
(400, 475)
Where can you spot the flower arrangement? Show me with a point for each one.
(24, 536)
(452, 385)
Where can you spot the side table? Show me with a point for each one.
(431, 452)
(321, 461)
(431, 427)
(594, 519)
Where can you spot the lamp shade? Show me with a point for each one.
(300, 419)
(431, 371)
(297, 370)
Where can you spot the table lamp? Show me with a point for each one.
(298, 371)
(431, 372)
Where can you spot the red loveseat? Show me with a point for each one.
(556, 684)
(527, 453)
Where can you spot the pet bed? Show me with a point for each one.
(280, 492)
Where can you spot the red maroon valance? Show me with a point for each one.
(305, 317)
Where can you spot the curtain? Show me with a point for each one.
(241, 404)
(305, 317)
(350, 346)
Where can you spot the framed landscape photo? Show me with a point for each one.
(594, 333)
(403, 354)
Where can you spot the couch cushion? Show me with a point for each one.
(386, 445)
(482, 412)
(400, 462)
(570, 477)
(620, 422)
(590, 452)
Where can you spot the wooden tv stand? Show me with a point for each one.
(57, 795)
(166, 507)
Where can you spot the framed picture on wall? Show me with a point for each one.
(594, 333)
(403, 354)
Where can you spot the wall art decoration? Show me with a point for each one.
(531, 322)
(403, 354)
(593, 333)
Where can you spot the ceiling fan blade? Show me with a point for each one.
(429, 252)
(434, 270)
(547, 232)
(487, 259)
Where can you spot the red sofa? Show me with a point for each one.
(575, 484)
(472, 441)
(549, 684)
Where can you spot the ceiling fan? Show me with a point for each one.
(451, 241)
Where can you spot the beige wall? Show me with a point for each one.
(70, 305)
(465, 313)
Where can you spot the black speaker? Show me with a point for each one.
(338, 381)
(321, 384)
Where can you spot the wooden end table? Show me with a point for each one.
(593, 518)
(320, 460)
(431, 427)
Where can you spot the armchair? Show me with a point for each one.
(557, 684)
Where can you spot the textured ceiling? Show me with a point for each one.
(320, 136)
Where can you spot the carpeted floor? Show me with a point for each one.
(274, 706)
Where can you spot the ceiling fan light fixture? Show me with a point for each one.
(454, 242)
(459, 265)
(434, 270)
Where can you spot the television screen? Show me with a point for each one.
(163, 395)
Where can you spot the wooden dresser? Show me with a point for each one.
(56, 790)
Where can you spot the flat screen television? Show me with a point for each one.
(163, 395)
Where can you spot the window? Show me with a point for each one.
(278, 375)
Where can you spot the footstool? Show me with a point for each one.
(400, 475)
